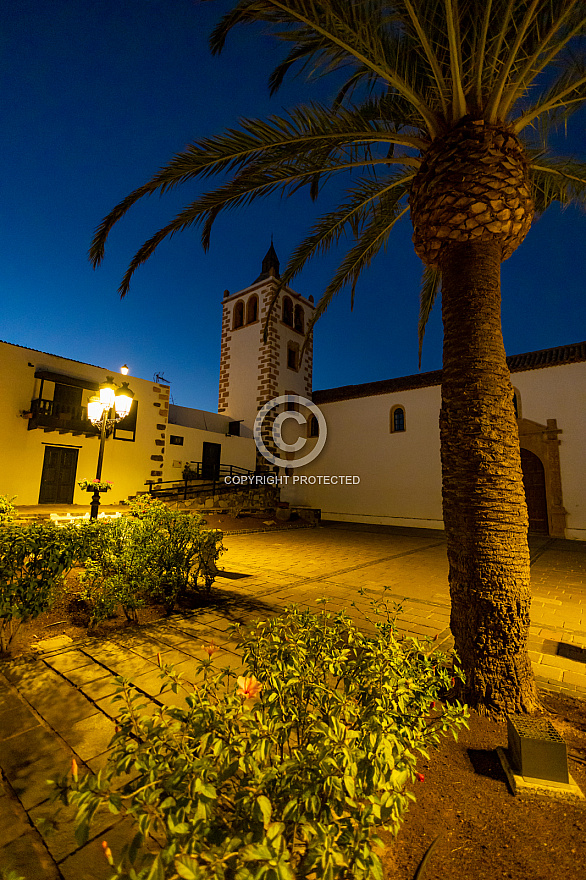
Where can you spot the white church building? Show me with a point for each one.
(380, 462)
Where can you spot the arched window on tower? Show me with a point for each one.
(238, 315)
(252, 309)
(287, 312)
(299, 319)
(397, 419)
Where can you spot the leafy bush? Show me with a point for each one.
(288, 777)
(7, 511)
(154, 556)
(33, 562)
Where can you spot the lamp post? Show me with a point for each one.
(112, 405)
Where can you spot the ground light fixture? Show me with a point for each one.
(104, 410)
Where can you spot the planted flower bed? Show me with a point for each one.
(153, 557)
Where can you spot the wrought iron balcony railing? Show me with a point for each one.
(62, 417)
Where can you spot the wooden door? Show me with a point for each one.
(210, 461)
(58, 477)
(534, 482)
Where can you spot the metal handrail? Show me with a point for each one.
(186, 485)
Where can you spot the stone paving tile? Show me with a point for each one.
(73, 659)
(90, 737)
(103, 687)
(29, 779)
(86, 674)
(172, 637)
(13, 820)
(88, 863)
(16, 718)
(114, 708)
(63, 707)
(56, 825)
(28, 858)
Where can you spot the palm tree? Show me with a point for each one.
(444, 112)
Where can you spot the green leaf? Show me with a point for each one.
(157, 871)
(350, 786)
(265, 808)
(187, 868)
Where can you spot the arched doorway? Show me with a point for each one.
(534, 482)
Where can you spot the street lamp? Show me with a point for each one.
(100, 414)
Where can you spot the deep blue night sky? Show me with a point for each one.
(96, 96)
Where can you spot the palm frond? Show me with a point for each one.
(550, 33)
(373, 238)
(188, 217)
(566, 95)
(459, 107)
(493, 109)
(430, 285)
(327, 28)
(303, 128)
(557, 179)
(346, 219)
(286, 179)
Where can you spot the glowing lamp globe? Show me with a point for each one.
(123, 400)
(107, 393)
(95, 410)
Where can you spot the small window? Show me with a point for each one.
(397, 419)
(299, 319)
(252, 309)
(313, 427)
(174, 440)
(125, 429)
(234, 429)
(293, 356)
(238, 315)
(291, 406)
(287, 312)
(517, 403)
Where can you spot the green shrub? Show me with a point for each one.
(155, 555)
(33, 562)
(7, 511)
(91, 539)
(291, 775)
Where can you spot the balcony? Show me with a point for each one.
(62, 417)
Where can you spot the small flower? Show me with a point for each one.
(74, 769)
(432, 705)
(248, 687)
(420, 777)
(159, 662)
(211, 648)
(107, 852)
(453, 680)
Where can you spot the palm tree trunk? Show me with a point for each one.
(485, 512)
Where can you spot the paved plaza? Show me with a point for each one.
(59, 705)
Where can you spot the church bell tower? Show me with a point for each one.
(253, 372)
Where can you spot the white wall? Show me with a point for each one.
(240, 451)
(400, 473)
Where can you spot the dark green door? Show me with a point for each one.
(210, 461)
(58, 477)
